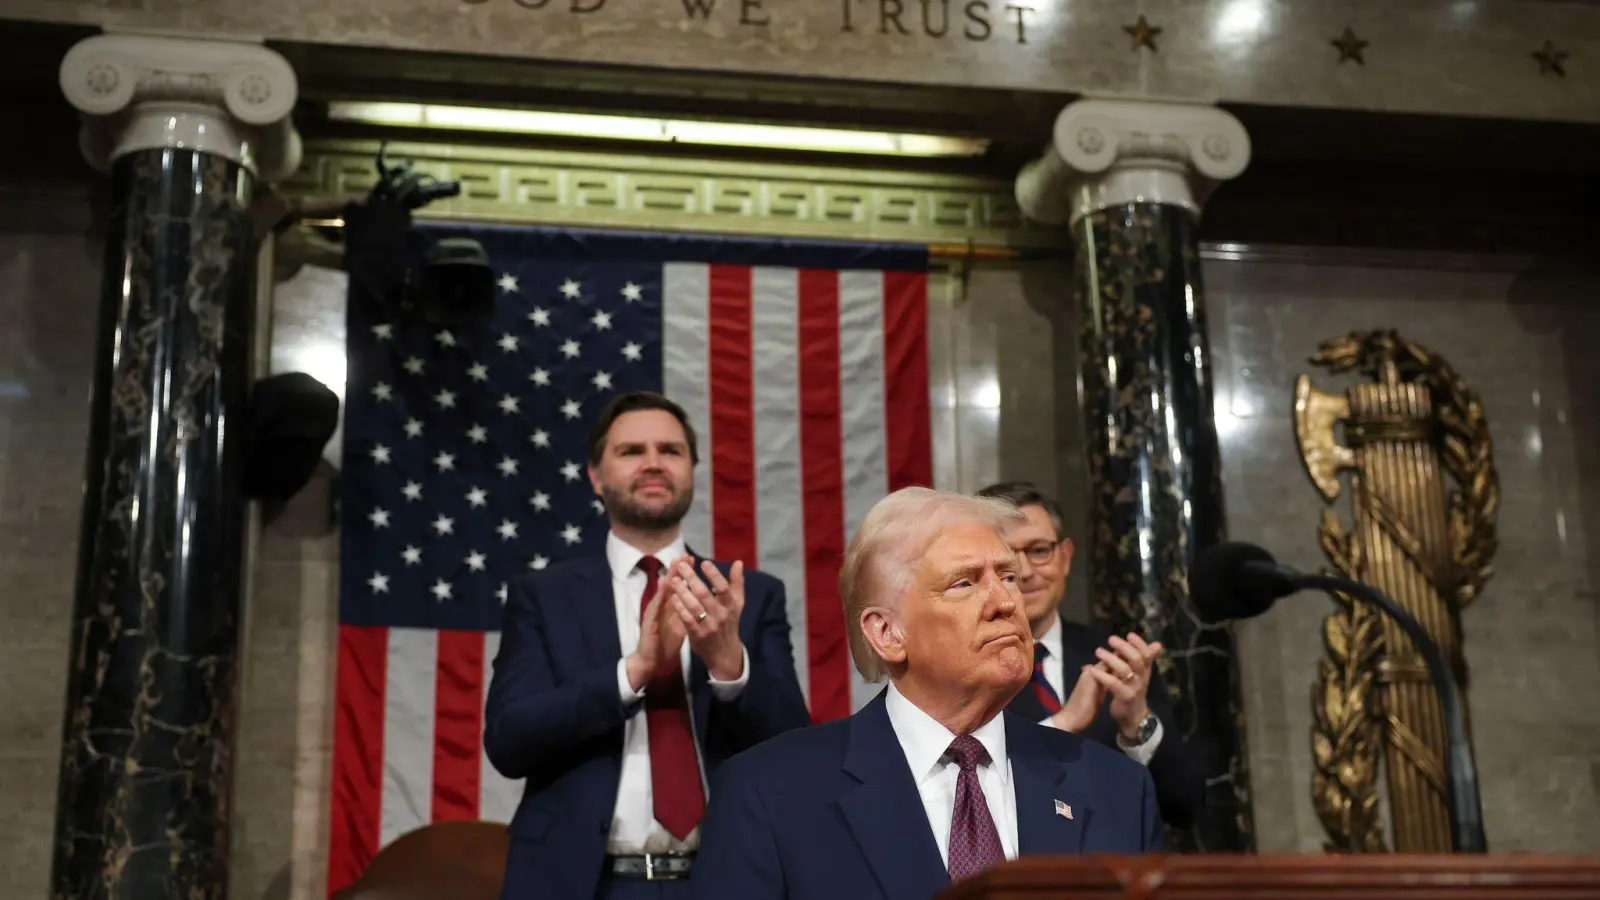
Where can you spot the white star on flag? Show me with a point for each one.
(508, 283)
(632, 292)
(379, 582)
(571, 289)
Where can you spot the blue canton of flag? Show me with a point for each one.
(466, 448)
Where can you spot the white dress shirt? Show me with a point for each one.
(634, 828)
(1053, 673)
(925, 741)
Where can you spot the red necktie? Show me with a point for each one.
(974, 840)
(1041, 685)
(674, 770)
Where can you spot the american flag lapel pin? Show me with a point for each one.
(1063, 810)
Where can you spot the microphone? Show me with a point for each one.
(1240, 581)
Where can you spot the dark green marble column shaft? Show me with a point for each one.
(1155, 481)
(145, 759)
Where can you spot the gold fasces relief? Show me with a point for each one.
(1413, 443)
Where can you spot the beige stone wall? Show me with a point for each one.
(1460, 57)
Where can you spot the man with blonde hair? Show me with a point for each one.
(932, 781)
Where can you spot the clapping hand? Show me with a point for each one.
(708, 611)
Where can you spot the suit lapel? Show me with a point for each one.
(1026, 704)
(1041, 780)
(885, 813)
(594, 608)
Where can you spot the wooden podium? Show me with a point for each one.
(1288, 877)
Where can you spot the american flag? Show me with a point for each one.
(803, 366)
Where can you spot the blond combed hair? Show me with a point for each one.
(885, 549)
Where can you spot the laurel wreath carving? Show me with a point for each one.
(1346, 734)
(1345, 739)
(1465, 448)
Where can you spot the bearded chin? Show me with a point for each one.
(635, 515)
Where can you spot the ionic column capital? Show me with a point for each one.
(1104, 153)
(141, 92)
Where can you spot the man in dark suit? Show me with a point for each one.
(614, 716)
(1133, 715)
(932, 781)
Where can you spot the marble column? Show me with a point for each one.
(185, 128)
(1128, 180)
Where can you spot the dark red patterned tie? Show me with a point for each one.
(1041, 685)
(974, 841)
(674, 771)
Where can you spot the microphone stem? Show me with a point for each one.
(1461, 781)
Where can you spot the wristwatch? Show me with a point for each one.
(1147, 729)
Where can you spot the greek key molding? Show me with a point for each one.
(644, 192)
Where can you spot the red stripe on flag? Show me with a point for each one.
(905, 379)
(458, 726)
(357, 752)
(822, 494)
(733, 473)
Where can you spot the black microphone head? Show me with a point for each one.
(1235, 580)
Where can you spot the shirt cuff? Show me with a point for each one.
(625, 691)
(1143, 753)
(730, 690)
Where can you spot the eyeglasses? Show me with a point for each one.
(1039, 554)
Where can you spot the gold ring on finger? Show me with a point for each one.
(1128, 677)
(702, 616)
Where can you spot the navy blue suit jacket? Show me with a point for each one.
(1180, 785)
(553, 715)
(832, 812)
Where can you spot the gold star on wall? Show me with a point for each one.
(1350, 47)
(1144, 34)
(1551, 60)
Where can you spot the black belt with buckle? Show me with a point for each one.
(652, 866)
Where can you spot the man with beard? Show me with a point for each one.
(623, 681)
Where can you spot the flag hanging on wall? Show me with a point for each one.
(803, 366)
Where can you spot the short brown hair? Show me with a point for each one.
(635, 401)
(1024, 493)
